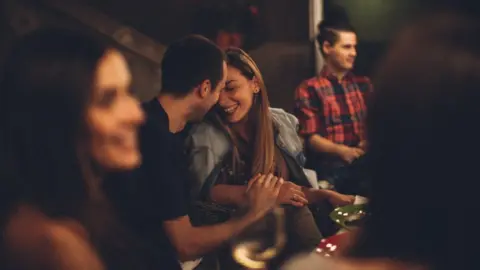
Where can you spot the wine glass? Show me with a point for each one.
(255, 252)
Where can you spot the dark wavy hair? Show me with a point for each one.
(44, 159)
(44, 93)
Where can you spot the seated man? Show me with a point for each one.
(155, 204)
(331, 108)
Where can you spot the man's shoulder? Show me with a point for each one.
(155, 126)
(363, 82)
(310, 82)
(361, 79)
(314, 83)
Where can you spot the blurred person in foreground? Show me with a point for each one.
(67, 118)
(421, 141)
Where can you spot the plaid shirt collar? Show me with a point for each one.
(326, 73)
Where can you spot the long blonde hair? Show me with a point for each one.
(263, 159)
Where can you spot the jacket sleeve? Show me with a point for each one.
(205, 148)
(310, 174)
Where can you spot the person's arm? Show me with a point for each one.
(308, 109)
(162, 199)
(236, 195)
(202, 162)
(323, 145)
(192, 242)
(316, 195)
(229, 195)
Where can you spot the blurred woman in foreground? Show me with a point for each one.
(422, 140)
(67, 117)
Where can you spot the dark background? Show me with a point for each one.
(277, 36)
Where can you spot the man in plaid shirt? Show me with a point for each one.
(331, 107)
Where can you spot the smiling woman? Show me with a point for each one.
(66, 117)
(114, 115)
(244, 137)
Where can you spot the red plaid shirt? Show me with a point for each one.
(334, 109)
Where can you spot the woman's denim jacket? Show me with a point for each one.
(207, 146)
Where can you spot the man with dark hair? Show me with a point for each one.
(188, 62)
(331, 107)
(156, 203)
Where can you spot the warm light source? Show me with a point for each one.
(250, 254)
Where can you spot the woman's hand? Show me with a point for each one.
(338, 199)
(263, 193)
(291, 194)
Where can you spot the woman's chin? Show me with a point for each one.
(125, 162)
(234, 118)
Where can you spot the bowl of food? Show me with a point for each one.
(349, 216)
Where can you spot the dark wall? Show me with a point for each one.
(285, 56)
(378, 21)
(20, 17)
(167, 20)
(164, 20)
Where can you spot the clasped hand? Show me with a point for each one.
(290, 193)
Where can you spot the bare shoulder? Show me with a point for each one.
(33, 240)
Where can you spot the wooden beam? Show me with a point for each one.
(122, 34)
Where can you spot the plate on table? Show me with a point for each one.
(332, 245)
(349, 216)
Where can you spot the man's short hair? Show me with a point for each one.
(188, 62)
(328, 32)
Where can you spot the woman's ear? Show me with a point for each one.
(255, 85)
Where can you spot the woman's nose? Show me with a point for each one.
(134, 113)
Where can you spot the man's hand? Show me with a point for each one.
(349, 154)
(338, 199)
(291, 194)
(262, 193)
